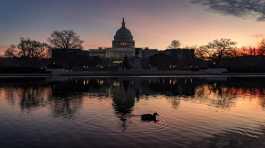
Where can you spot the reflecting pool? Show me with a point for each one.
(106, 112)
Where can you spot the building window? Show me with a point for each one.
(123, 44)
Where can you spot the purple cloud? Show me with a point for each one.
(238, 8)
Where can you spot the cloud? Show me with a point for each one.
(239, 8)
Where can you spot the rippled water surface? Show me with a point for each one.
(104, 113)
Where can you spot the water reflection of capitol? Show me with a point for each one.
(65, 98)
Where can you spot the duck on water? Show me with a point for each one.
(149, 117)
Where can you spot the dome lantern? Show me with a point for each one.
(123, 23)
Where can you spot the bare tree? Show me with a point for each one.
(27, 48)
(66, 39)
(261, 47)
(11, 51)
(220, 48)
(174, 44)
(203, 53)
(31, 49)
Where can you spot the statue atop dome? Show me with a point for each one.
(123, 23)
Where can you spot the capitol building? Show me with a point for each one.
(123, 49)
(123, 45)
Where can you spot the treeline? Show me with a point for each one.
(28, 48)
(223, 48)
(68, 39)
(223, 53)
(32, 56)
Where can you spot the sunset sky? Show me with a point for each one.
(154, 23)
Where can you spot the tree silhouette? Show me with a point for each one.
(203, 53)
(249, 51)
(27, 48)
(11, 51)
(261, 47)
(174, 44)
(65, 39)
(217, 49)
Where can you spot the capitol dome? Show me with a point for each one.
(123, 34)
(123, 37)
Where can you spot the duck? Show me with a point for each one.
(149, 117)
